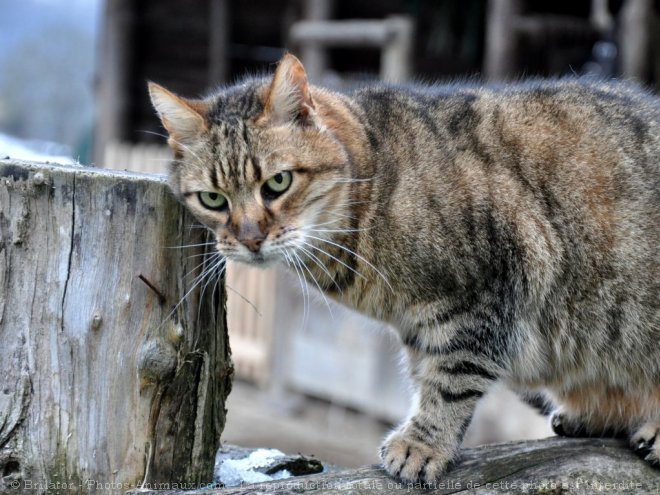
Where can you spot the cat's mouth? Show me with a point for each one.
(258, 259)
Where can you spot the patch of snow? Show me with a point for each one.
(233, 472)
(23, 150)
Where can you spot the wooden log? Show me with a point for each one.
(102, 382)
(551, 466)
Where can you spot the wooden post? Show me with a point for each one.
(397, 55)
(313, 54)
(219, 26)
(114, 73)
(102, 382)
(501, 39)
(635, 38)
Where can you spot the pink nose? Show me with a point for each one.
(252, 243)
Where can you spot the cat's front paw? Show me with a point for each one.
(408, 458)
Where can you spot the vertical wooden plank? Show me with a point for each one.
(314, 55)
(219, 26)
(501, 39)
(397, 54)
(114, 73)
(635, 38)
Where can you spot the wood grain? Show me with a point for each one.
(102, 382)
(551, 466)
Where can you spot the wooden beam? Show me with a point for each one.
(394, 36)
(350, 33)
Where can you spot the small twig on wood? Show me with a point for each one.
(161, 298)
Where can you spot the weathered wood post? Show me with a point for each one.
(102, 383)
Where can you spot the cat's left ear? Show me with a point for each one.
(184, 119)
(288, 98)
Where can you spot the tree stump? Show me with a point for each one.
(107, 382)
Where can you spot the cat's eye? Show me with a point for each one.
(276, 185)
(213, 200)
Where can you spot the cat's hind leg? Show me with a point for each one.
(612, 411)
(645, 442)
(566, 425)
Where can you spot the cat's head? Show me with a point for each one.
(256, 163)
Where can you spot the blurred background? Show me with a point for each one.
(310, 377)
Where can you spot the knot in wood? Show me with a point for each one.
(157, 361)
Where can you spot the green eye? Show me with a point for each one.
(276, 185)
(213, 200)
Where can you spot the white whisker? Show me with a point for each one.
(354, 254)
(350, 180)
(343, 215)
(338, 230)
(198, 280)
(317, 285)
(322, 224)
(208, 258)
(191, 245)
(244, 299)
(334, 258)
(318, 262)
(216, 274)
(278, 150)
(302, 287)
(187, 148)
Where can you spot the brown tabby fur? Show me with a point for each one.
(509, 233)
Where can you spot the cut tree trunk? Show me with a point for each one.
(552, 466)
(106, 381)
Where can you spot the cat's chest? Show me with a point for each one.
(371, 299)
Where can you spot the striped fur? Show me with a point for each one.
(509, 233)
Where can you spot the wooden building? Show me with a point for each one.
(193, 45)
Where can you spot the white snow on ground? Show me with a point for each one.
(22, 150)
(234, 472)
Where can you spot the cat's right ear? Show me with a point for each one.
(184, 119)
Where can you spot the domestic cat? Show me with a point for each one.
(510, 233)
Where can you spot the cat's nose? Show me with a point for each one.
(253, 243)
(250, 234)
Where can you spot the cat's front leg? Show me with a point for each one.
(448, 386)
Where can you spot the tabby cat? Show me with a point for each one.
(510, 233)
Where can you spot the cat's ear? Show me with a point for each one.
(288, 98)
(184, 119)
